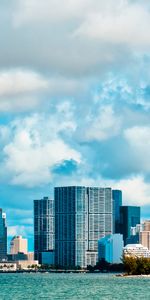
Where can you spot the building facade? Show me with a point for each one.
(110, 248)
(18, 245)
(117, 203)
(3, 236)
(43, 227)
(129, 217)
(82, 216)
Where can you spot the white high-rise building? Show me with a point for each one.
(83, 215)
(18, 245)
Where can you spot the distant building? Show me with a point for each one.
(110, 248)
(145, 238)
(18, 245)
(3, 236)
(129, 217)
(43, 227)
(117, 203)
(137, 250)
(146, 225)
(136, 229)
(133, 239)
(82, 216)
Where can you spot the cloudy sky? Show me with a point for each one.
(74, 101)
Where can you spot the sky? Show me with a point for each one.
(74, 101)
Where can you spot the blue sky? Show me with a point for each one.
(74, 101)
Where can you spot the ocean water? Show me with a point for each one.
(72, 286)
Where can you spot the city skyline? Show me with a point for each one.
(74, 101)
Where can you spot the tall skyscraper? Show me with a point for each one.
(18, 245)
(144, 234)
(117, 203)
(3, 236)
(129, 217)
(82, 216)
(43, 227)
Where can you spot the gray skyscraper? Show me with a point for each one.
(82, 216)
(3, 236)
(43, 227)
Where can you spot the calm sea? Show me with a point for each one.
(72, 286)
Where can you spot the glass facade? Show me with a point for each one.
(129, 217)
(82, 216)
(43, 226)
(3, 236)
(117, 203)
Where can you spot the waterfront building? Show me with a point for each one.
(110, 248)
(129, 217)
(18, 244)
(3, 236)
(137, 250)
(8, 266)
(82, 216)
(117, 203)
(43, 227)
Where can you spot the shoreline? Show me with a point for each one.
(133, 276)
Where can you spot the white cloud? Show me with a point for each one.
(127, 24)
(19, 90)
(135, 191)
(25, 231)
(35, 148)
(103, 125)
(16, 82)
(138, 138)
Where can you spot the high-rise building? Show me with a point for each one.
(110, 248)
(43, 227)
(82, 216)
(146, 225)
(144, 238)
(18, 245)
(129, 217)
(3, 236)
(144, 234)
(117, 203)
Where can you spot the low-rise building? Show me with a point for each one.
(8, 266)
(27, 264)
(137, 250)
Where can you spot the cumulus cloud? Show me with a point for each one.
(138, 138)
(20, 230)
(19, 90)
(126, 25)
(35, 148)
(135, 190)
(104, 125)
